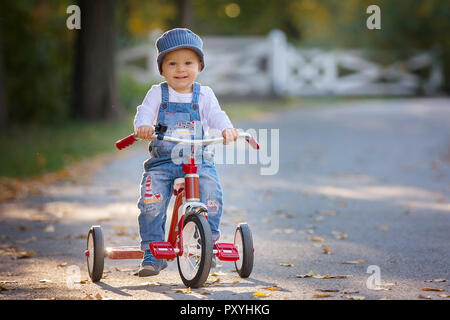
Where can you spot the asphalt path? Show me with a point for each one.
(358, 207)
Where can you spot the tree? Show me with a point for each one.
(95, 89)
(185, 13)
(3, 107)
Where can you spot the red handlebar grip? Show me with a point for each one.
(125, 142)
(252, 141)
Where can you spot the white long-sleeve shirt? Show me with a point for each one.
(211, 115)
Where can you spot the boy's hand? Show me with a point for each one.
(145, 132)
(230, 135)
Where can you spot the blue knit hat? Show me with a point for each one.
(176, 39)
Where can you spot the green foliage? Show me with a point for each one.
(37, 60)
(131, 93)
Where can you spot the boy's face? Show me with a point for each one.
(180, 68)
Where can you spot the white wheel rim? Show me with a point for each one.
(238, 243)
(192, 251)
(91, 251)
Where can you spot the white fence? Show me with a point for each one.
(243, 66)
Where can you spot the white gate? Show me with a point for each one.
(243, 66)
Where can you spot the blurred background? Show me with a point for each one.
(69, 94)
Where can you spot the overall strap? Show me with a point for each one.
(164, 92)
(196, 93)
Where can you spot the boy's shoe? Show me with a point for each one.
(150, 266)
(213, 261)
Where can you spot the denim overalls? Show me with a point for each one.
(160, 170)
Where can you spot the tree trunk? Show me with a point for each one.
(95, 89)
(3, 106)
(185, 13)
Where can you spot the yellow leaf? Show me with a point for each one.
(273, 288)
(322, 295)
(327, 251)
(261, 294)
(286, 265)
(432, 289)
(318, 239)
(352, 262)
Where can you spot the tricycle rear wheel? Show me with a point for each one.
(96, 253)
(243, 240)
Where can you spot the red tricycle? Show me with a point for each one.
(189, 235)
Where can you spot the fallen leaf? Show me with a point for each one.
(318, 239)
(45, 281)
(341, 276)
(261, 294)
(3, 288)
(217, 281)
(205, 293)
(331, 213)
(308, 275)
(328, 290)
(81, 281)
(432, 289)
(151, 284)
(218, 273)
(323, 295)
(383, 228)
(352, 262)
(24, 254)
(62, 264)
(421, 296)
(273, 288)
(443, 295)
(89, 296)
(286, 265)
(98, 296)
(436, 280)
(327, 251)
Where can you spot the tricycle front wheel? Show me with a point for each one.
(195, 262)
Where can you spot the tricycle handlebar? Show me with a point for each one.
(132, 138)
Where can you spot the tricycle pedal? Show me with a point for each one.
(162, 250)
(226, 251)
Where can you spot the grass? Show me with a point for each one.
(30, 151)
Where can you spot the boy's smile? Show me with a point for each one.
(180, 68)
